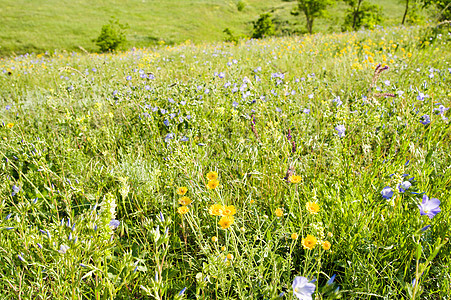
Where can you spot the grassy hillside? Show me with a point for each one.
(222, 171)
(40, 25)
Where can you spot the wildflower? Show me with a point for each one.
(295, 178)
(429, 207)
(302, 288)
(279, 212)
(387, 192)
(229, 210)
(340, 130)
(16, 190)
(222, 248)
(114, 224)
(426, 120)
(212, 184)
(185, 201)
(212, 175)
(214, 239)
(229, 256)
(309, 242)
(226, 221)
(404, 186)
(331, 280)
(326, 245)
(182, 291)
(294, 236)
(182, 190)
(312, 207)
(10, 125)
(216, 210)
(183, 210)
(63, 249)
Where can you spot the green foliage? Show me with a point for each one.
(240, 5)
(313, 9)
(264, 27)
(112, 36)
(443, 8)
(362, 14)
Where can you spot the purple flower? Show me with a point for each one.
(426, 120)
(429, 207)
(306, 111)
(340, 130)
(16, 190)
(404, 186)
(302, 288)
(128, 77)
(387, 192)
(114, 224)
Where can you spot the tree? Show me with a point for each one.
(443, 6)
(264, 27)
(361, 14)
(405, 12)
(355, 10)
(313, 9)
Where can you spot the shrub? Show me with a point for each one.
(112, 36)
(264, 27)
(240, 5)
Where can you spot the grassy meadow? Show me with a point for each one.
(221, 171)
(39, 26)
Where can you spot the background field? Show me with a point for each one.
(39, 25)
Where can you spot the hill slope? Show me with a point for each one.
(37, 26)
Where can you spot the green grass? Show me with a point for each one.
(39, 26)
(86, 139)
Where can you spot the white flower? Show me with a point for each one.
(302, 288)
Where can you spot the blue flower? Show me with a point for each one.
(387, 192)
(114, 224)
(331, 280)
(404, 186)
(340, 130)
(302, 288)
(306, 111)
(429, 207)
(182, 291)
(426, 120)
(16, 190)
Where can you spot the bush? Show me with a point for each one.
(264, 27)
(240, 5)
(112, 36)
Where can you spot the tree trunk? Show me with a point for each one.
(356, 13)
(405, 12)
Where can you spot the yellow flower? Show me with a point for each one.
(295, 178)
(226, 221)
(212, 184)
(212, 175)
(252, 201)
(309, 242)
(229, 210)
(222, 248)
(10, 125)
(326, 245)
(279, 212)
(294, 236)
(182, 210)
(214, 239)
(182, 190)
(216, 210)
(312, 207)
(229, 256)
(185, 201)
